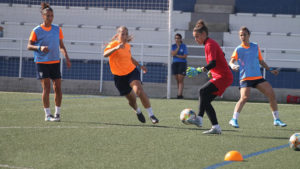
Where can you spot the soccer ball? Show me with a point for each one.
(294, 141)
(187, 114)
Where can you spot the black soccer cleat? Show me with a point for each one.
(153, 119)
(141, 117)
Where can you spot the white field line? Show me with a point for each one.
(7, 166)
(50, 127)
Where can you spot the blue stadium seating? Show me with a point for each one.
(267, 6)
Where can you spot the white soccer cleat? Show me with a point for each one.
(52, 119)
(196, 121)
(213, 131)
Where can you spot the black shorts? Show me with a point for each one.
(251, 83)
(123, 82)
(51, 71)
(179, 68)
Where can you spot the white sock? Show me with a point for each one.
(47, 111)
(138, 111)
(57, 110)
(150, 111)
(236, 115)
(275, 115)
(216, 126)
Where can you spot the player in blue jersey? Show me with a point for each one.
(249, 58)
(46, 40)
(179, 53)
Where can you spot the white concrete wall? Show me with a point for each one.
(96, 16)
(265, 22)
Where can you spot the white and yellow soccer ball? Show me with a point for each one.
(187, 114)
(294, 142)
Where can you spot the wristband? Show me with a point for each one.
(270, 69)
(39, 48)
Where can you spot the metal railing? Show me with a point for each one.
(13, 47)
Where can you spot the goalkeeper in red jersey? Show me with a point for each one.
(221, 77)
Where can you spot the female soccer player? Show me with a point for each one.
(46, 40)
(221, 77)
(126, 75)
(248, 56)
(179, 53)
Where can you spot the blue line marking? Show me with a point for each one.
(247, 156)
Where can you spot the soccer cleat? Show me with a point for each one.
(153, 119)
(213, 131)
(179, 97)
(57, 117)
(196, 121)
(233, 122)
(49, 118)
(141, 117)
(278, 122)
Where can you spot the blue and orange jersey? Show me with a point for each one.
(120, 61)
(248, 58)
(182, 51)
(47, 36)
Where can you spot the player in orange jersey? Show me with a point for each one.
(126, 75)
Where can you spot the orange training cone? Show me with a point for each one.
(233, 156)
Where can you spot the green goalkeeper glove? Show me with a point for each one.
(192, 72)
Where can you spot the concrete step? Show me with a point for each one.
(213, 35)
(216, 2)
(213, 26)
(196, 51)
(210, 17)
(196, 62)
(193, 42)
(211, 8)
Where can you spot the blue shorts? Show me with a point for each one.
(51, 71)
(251, 83)
(179, 68)
(123, 82)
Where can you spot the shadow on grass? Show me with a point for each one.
(262, 137)
(136, 125)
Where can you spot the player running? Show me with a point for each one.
(221, 77)
(46, 40)
(126, 75)
(248, 57)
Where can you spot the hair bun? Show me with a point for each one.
(44, 5)
(200, 23)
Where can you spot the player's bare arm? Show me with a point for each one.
(264, 64)
(233, 66)
(136, 63)
(110, 51)
(63, 50)
(31, 46)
